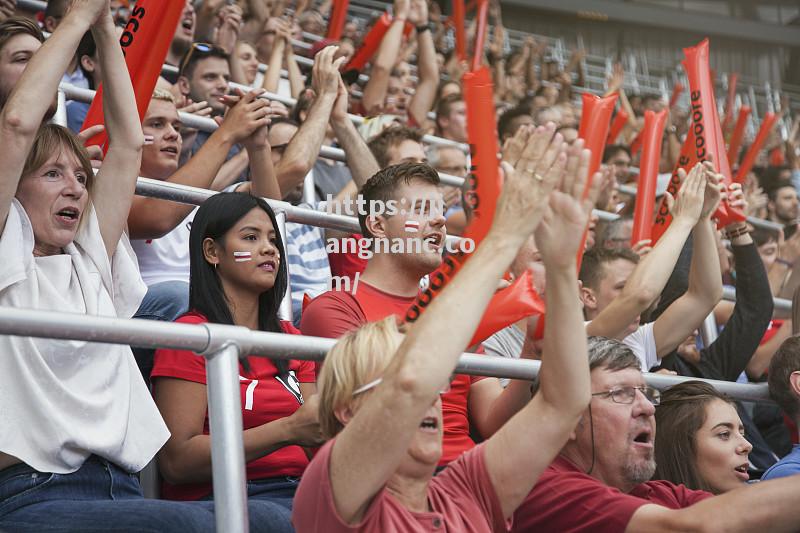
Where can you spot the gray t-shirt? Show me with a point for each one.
(505, 343)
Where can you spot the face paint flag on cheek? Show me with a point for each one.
(241, 257)
(412, 226)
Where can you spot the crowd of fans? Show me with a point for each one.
(382, 435)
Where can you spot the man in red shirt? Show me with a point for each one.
(600, 480)
(389, 285)
(395, 144)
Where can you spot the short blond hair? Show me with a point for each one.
(359, 357)
(164, 95)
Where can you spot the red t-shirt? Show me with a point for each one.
(567, 499)
(334, 313)
(266, 397)
(462, 499)
(347, 263)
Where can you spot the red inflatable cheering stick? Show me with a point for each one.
(616, 126)
(370, 44)
(145, 41)
(595, 119)
(338, 18)
(738, 134)
(770, 119)
(459, 29)
(648, 174)
(709, 142)
(520, 299)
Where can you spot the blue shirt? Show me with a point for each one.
(788, 466)
(309, 270)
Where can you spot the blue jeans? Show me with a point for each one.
(270, 504)
(164, 301)
(99, 496)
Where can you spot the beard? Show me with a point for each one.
(639, 471)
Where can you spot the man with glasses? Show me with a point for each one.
(600, 479)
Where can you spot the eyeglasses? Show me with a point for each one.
(626, 395)
(375, 383)
(202, 49)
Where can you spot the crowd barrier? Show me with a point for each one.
(208, 125)
(223, 346)
(301, 215)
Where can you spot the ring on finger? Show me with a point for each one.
(535, 175)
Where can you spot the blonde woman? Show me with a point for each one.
(380, 390)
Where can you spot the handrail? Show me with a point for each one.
(208, 125)
(223, 345)
(322, 219)
(203, 337)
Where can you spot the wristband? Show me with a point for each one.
(737, 232)
(423, 28)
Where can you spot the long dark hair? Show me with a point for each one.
(213, 220)
(679, 416)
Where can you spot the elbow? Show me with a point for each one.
(18, 123)
(172, 470)
(642, 297)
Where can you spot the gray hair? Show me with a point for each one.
(611, 354)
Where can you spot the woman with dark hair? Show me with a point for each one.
(238, 277)
(700, 440)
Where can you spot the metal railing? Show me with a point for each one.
(208, 125)
(301, 215)
(223, 346)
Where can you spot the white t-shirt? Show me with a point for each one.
(167, 258)
(643, 344)
(63, 400)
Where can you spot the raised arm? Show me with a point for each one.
(427, 68)
(263, 181)
(360, 161)
(546, 422)
(705, 279)
(151, 218)
(368, 450)
(733, 350)
(304, 147)
(33, 94)
(273, 74)
(652, 273)
(115, 183)
(385, 58)
(296, 81)
(775, 503)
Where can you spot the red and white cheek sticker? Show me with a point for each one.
(241, 257)
(412, 226)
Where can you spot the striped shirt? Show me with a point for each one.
(309, 270)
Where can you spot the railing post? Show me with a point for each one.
(309, 191)
(285, 310)
(60, 117)
(708, 330)
(227, 439)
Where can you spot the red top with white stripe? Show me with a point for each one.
(266, 397)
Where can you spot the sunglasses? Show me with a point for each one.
(202, 50)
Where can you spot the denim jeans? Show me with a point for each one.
(270, 504)
(164, 301)
(99, 496)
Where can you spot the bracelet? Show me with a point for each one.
(737, 232)
(784, 262)
(423, 28)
